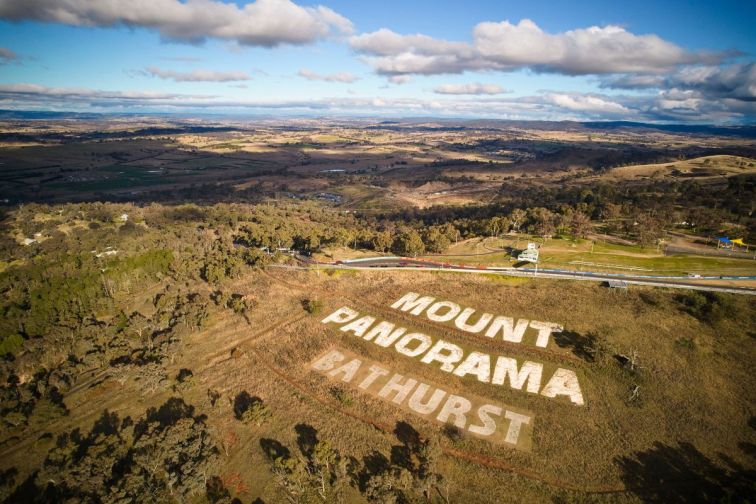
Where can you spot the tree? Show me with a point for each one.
(257, 413)
(579, 225)
(543, 221)
(436, 241)
(516, 218)
(409, 243)
(382, 241)
(497, 225)
(319, 474)
(427, 476)
(167, 454)
(388, 486)
(610, 214)
(648, 229)
(312, 306)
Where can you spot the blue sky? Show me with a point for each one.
(671, 61)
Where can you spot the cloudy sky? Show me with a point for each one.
(646, 60)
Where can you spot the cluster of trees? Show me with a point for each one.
(66, 309)
(166, 455)
(318, 472)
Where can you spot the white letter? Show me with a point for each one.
(375, 372)
(544, 331)
(564, 382)
(401, 390)
(383, 329)
(349, 369)
(509, 333)
(387, 339)
(453, 311)
(359, 326)
(447, 360)
(328, 361)
(410, 302)
(341, 316)
(476, 363)
(415, 400)
(425, 343)
(461, 321)
(530, 371)
(489, 426)
(515, 425)
(457, 406)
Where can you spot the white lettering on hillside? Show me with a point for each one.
(494, 422)
(500, 370)
(446, 311)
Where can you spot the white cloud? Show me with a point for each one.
(586, 103)
(37, 92)
(344, 77)
(265, 23)
(474, 88)
(400, 79)
(392, 54)
(6, 55)
(182, 59)
(736, 82)
(679, 106)
(197, 75)
(505, 46)
(593, 50)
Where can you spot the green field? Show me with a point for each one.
(562, 254)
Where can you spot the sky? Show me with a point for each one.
(674, 61)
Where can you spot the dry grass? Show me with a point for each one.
(700, 395)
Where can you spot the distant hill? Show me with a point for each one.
(748, 131)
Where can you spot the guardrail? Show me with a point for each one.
(549, 270)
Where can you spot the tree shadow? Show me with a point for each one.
(683, 474)
(583, 346)
(242, 403)
(373, 464)
(216, 491)
(173, 410)
(28, 491)
(407, 435)
(108, 424)
(274, 449)
(7, 479)
(401, 455)
(307, 438)
(183, 375)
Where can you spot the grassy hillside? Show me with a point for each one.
(177, 368)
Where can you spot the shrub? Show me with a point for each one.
(707, 307)
(342, 396)
(453, 432)
(11, 344)
(257, 413)
(312, 306)
(686, 342)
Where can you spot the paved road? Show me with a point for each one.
(404, 263)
